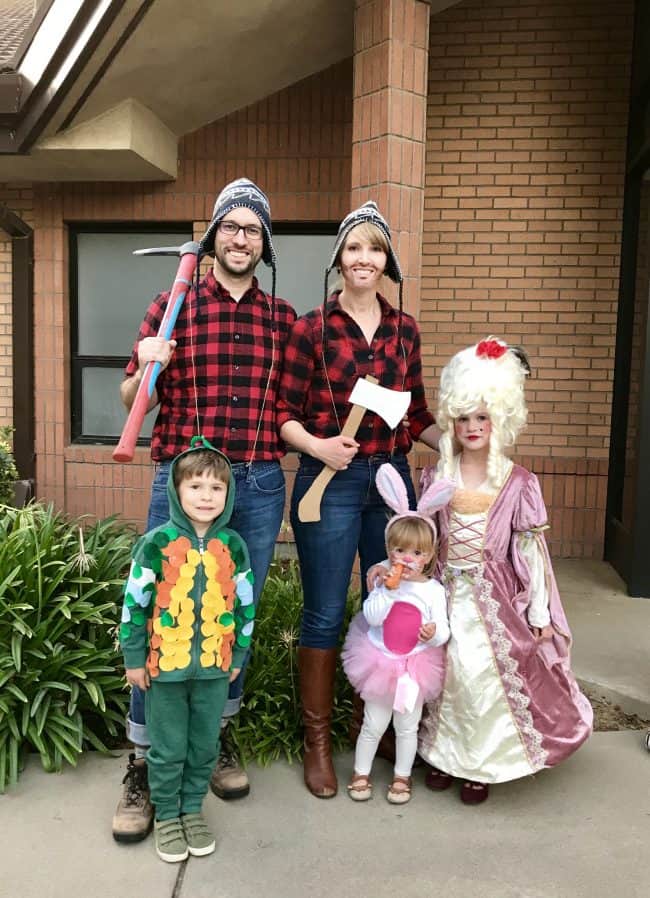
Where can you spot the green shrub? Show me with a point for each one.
(269, 725)
(8, 472)
(61, 681)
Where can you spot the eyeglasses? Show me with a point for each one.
(231, 229)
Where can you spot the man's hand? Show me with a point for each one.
(427, 632)
(138, 676)
(155, 349)
(234, 673)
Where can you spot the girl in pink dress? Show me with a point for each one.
(392, 653)
(510, 705)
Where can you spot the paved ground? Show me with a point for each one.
(579, 831)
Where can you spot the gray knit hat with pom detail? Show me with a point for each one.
(370, 214)
(242, 193)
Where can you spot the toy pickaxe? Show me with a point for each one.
(367, 395)
(189, 254)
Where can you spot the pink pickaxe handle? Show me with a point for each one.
(125, 449)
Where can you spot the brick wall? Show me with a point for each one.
(19, 199)
(527, 117)
(296, 144)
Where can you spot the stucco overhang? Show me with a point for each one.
(163, 69)
(126, 143)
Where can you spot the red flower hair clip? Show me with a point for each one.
(491, 349)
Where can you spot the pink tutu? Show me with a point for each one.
(374, 675)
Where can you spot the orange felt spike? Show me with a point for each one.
(181, 545)
(163, 595)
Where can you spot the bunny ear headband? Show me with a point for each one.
(393, 491)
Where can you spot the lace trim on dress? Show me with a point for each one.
(517, 699)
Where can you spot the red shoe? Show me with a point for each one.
(474, 793)
(438, 781)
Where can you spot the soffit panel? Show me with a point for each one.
(193, 68)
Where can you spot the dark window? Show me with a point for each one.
(303, 252)
(110, 290)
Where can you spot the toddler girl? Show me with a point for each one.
(392, 653)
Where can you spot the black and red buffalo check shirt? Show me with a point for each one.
(232, 356)
(304, 393)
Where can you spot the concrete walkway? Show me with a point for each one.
(579, 830)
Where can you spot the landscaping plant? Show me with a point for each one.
(269, 725)
(61, 678)
(8, 472)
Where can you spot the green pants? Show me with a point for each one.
(183, 720)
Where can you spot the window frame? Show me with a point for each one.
(79, 362)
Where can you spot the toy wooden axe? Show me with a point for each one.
(367, 395)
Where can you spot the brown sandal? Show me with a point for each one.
(399, 791)
(474, 793)
(360, 787)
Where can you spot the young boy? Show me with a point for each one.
(186, 625)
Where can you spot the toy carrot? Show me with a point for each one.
(394, 576)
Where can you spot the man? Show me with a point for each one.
(219, 379)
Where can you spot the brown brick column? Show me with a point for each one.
(391, 45)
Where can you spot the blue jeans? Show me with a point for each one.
(353, 518)
(257, 516)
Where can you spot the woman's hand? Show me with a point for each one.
(335, 452)
(543, 632)
(138, 676)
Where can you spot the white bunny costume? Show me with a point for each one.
(392, 670)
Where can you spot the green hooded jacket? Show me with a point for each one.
(188, 608)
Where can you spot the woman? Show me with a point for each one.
(356, 333)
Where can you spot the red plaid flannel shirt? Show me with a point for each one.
(232, 354)
(304, 393)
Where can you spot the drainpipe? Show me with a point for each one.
(22, 275)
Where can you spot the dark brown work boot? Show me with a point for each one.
(134, 813)
(317, 668)
(229, 780)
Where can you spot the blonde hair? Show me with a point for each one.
(364, 231)
(412, 533)
(470, 380)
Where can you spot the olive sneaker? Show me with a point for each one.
(134, 814)
(171, 844)
(200, 840)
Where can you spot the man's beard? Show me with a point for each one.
(247, 270)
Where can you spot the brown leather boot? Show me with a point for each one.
(386, 747)
(317, 668)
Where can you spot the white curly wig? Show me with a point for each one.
(489, 373)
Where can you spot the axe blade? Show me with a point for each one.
(390, 405)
